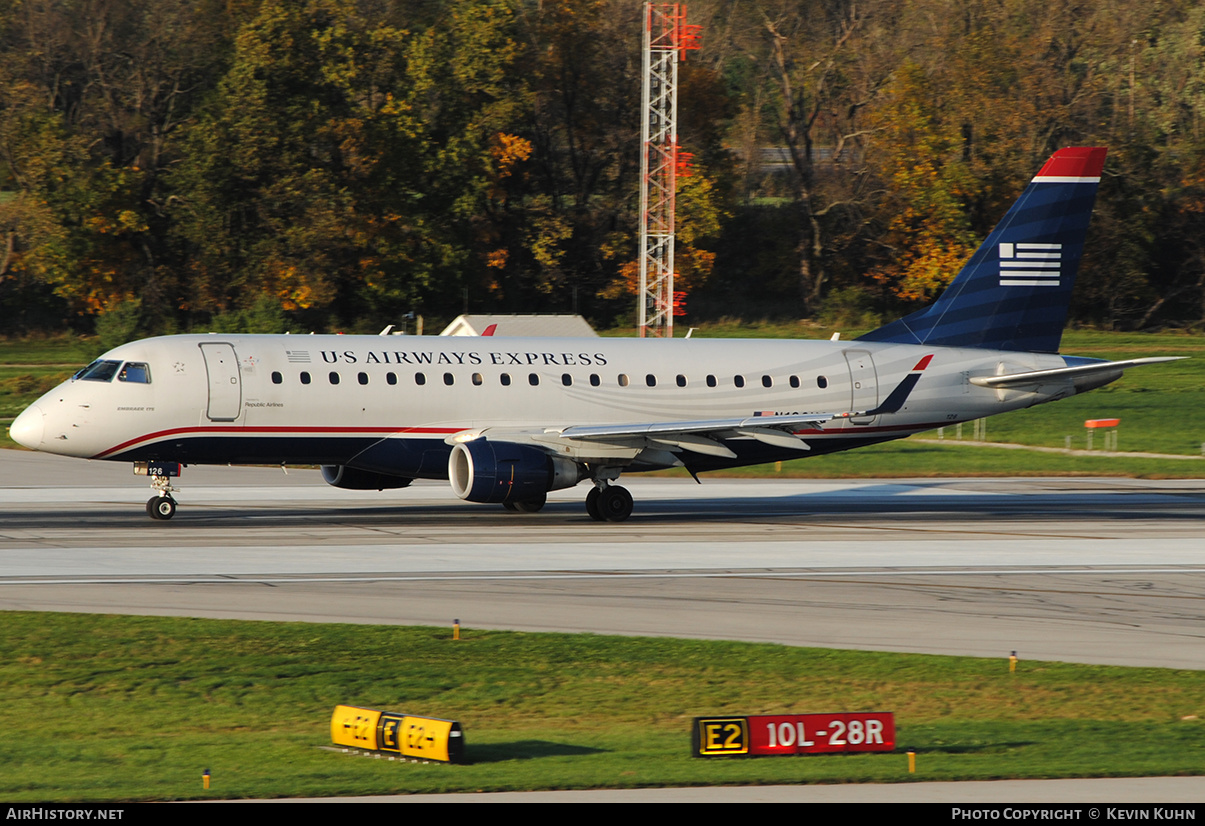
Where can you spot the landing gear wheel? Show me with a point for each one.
(531, 505)
(161, 507)
(510, 506)
(592, 504)
(615, 503)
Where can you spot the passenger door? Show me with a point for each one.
(225, 389)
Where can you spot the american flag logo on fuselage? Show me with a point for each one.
(1030, 265)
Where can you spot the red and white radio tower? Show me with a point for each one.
(667, 38)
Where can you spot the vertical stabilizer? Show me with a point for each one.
(1014, 292)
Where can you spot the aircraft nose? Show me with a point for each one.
(27, 428)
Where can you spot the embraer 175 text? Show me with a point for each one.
(506, 420)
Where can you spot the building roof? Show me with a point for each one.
(549, 326)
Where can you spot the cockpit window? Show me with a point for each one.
(99, 370)
(136, 372)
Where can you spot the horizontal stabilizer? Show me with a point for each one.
(1079, 371)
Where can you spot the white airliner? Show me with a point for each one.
(506, 420)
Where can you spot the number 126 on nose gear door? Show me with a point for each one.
(781, 734)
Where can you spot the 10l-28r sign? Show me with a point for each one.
(772, 734)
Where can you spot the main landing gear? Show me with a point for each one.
(608, 503)
(605, 503)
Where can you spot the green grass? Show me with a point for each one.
(21, 386)
(135, 708)
(61, 350)
(30, 367)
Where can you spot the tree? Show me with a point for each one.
(342, 160)
(809, 72)
(93, 92)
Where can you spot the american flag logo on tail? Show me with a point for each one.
(1030, 265)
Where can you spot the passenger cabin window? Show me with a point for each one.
(739, 381)
(101, 370)
(595, 381)
(623, 379)
(766, 381)
(650, 380)
(821, 382)
(305, 377)
(449, 379)
(277, 378)
(477, 379)
(711, 381)
(334, 377)
(505, 379)
(362, 378)
(391, 378)
(795, 382)
(681, 380)
(566, 379)
(135, 372)
(420, 378)
(533, 379)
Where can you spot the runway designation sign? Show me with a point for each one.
(778, 734)
(420, 738)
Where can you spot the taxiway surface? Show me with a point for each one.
(1081, 570)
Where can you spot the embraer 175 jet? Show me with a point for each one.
(506, 420)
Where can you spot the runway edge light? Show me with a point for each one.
(390, 732)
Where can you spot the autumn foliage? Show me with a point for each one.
(341, 163)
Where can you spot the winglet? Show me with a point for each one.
(489, 331)
(899, 395)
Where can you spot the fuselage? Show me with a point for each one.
(391, 403)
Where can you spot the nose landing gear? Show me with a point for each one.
(161, 505)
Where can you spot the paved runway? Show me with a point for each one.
(1084, 570)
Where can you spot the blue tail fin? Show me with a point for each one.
(1014, 292)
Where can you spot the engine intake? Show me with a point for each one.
(350, 478)
(485, 471)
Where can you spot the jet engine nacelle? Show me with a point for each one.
(350, 478)
(485, 471)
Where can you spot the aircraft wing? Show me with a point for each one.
(657, 443)
(705, 435)
(1079, 371)
(699, 436)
